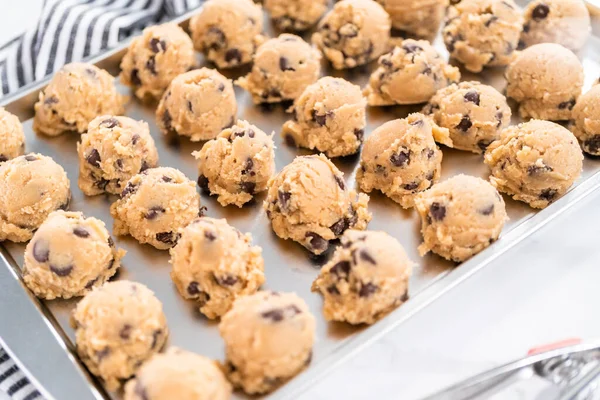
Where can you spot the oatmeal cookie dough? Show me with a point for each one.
(353, 33)
(473, 113)
(268, 338)
(155, 205)
(309, 202)
(77, 94)
(566, 22)
(535, 162)
(237, 164)
(118, 326)
(214, 264)
(283, 67)
(329, 117)
(69, 255)
(460, 217)
(228, 31)
(545, 79)
(401, 159)
(366, 278)
(155, 58)
(12, 138)
(178, 374)
(112, 151)
(295, 15)
(416, 18)
(586, 121)
(410, 74)
(198, 104)
(31, 187)
(483, 33)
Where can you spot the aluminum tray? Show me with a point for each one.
(38, 333)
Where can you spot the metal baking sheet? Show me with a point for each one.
(288, 267)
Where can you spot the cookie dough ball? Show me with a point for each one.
(295, 15)
(112, 151)
(586, 121)
(365, 279)
(31, 187)
(154, 205)
(118, 326)
(416, 18)
(228, 31)
(237, 164)
(12, 138)
(214, 264)
(473, 113)
(77, 94)
(410, 74)
(460, 217)
(268, 338)
(178, 374)
(401, 159)
(329, 117)
(308, 202)
(198, 104)
(566, 22)
(155, 58)
(283, 67)
(483, 33)
(69, 255)
(354, 33)
(545, 79)
(535, 162)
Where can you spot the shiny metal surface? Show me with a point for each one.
(287, 266)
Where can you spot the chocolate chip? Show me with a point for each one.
(41, 251)
(167, 120)
(203, 183)
(367, 289)
(284, 199)
(169, 238)
(404, 296)
(499, 117)
(50, 100)
(401, 158)
(233, 54)
(228, 280)
(548, 194)
(360, 134)
(411, 186)
(339, 227)
(111, 242)
(284, 64)
(119, 163)
(490, 21)
(135, 77)
(210, 236)
(316, 242)
(437, 211)
(94, 158)
(193, 288)
(91, 283)
(592, 145)
(465, 124)
(111, 263)
(134, 139)
(483, 144)
(412, 48)
(144, 166)
(341, 269)
(158, 45)
(81, 232)
(221, 87)
(319, 119)
(279, 314)
(340, 182)
(251, 133)
(3, 158)
(427, 71)
(129, 189)
(567, 105)
(91, 72)
(248, 165)
(102, 354)
(110, 123)
(125, 332)
(289, 140)
(154, 212)
(30, 157)
(536, 169)
(215, 38)
(365, 256)
(429, 152)
(540, 12)
(190, 107)
(61, 271)
(166, 179)
(488, 210)
(472, 96)
(386, 62)
(151, 65)
(155, 335)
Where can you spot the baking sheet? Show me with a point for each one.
(288, 267)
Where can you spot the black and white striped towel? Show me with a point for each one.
(70, 30)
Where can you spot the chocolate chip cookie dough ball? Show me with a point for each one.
(198, 104)
(329, 117)
(12, 138)
(118, 326)
(308, 202)
(586, 121)
(546, 80)
(366, 278)
(214, 264)
(31, 187)
(237, 164)
(416, 18)
(295, 15)
(460, 217)
(268, 338)
(112, 151)
(283, 67)
(535, 162)
(566, 22)
(69, 255)
(354, 33)
(473, 113)
(483, 33)
(154, 205)
(401, 159)
(228, 31)
(410, 74)
(178, 374)
(155, 58)
(77, 94)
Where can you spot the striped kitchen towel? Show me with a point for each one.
(73, 30)
(70, 30)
